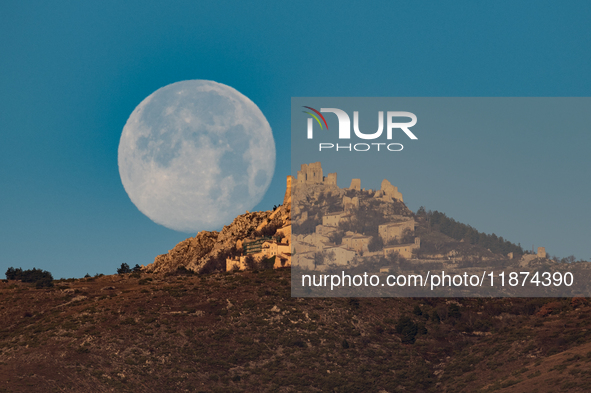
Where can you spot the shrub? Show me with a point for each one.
(218, 262)
(353, 302)
(180, 271)
(417, 310)
(268, 263)
(44, 282)
(454, 311)
(407, 330)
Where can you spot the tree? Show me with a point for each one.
(250, 262)
(278, 236)
(137, 268)
(124, 269)
(376, 243)
(41, 278)
(336, 237)
(407, 236)
(13, 274)
(569, 259)
(330, 257)
(318, 259)
(407, 329)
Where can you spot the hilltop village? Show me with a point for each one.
(321, 226)
(270, 251)
(324, 226)
(330, 242)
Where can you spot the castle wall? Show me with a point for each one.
(331, 179)
(235, 263)
(310, 173)
(350, 203)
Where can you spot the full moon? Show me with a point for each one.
(195, 154)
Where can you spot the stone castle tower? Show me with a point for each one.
(287, 197)
(312, 173)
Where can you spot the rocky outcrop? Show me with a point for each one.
(193, 253)
(188, 253)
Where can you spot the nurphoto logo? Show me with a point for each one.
(392, 123)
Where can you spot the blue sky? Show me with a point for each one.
(71, 73)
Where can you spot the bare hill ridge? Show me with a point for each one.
(243, 332)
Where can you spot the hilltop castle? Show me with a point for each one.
(307, 245)
(312, 174)
(321, 243)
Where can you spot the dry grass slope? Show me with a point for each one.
(243, 332)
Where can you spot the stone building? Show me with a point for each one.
(395, 230)
(342, 256)
(357, 242)
(262, 248)
(325, 230)
(405, 250)
(333, 219)
(333, 255)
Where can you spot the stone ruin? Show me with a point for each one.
(355, 184)
(390, 192)
(312, 173)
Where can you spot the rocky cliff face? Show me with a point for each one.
(195, 252)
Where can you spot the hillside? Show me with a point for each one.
(244, 332)
(323, 214)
